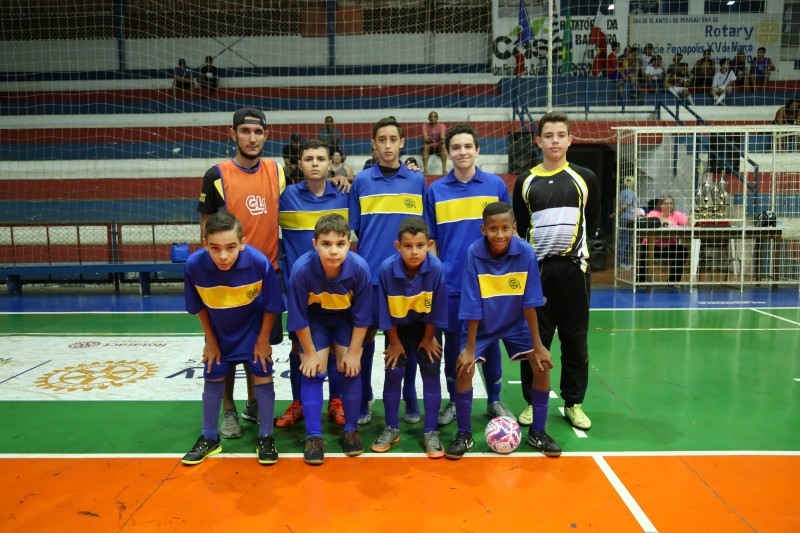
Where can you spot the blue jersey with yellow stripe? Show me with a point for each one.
(299, 211)
(311, 291)
(503, 286)
(377, 206)
(454, 211)
(235, 299)
(402, 300)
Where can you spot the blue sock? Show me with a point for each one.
(410, 384)
(351, 399)
(539, 401)
(334, 378)
(212, 400)
(367, 355)
(311, 398)
(452, 347)
(294, 374)
(265, 397)
(391, 396)
(432, 399)
(463, 402)
(493, 372)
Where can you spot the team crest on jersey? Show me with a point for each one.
(410, 203)
(514, 283)
(427, 303)
(257, 205)
(252, 293)
(98, 375)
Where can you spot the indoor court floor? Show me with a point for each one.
(694, 399)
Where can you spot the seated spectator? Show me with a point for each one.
(760, 69)
(703, 71)
(612, 63)
(372, 160)
(338, 167)
(677, 80)
(739, 66)
(330, 134)
(209, 77)
(788, 115)
(670, 248)
(646, 56)
(182, 78)
(628, 72)
(654, 72)
(599, 63)
(723, 83)
(291, 154)
(433, 141)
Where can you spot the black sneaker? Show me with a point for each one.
(462, 443)
(314, 453)
(351, 443)
(265, 448)
(544, 443)
(203, 448)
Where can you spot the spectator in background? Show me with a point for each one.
(611, 62)
(654, 72)
(628, 72)
(677, 81)
(723, 83)
(703, 71)
(209, 77)
(646, 56)
(372, 160)
(671, 249)
(739, 66)
(760, 68)
(787, 115)
(291, 153)
(338, 167)
(182, 79)
(628, 211)
(432, 137)
(331, 135)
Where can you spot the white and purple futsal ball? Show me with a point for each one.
(503, 434)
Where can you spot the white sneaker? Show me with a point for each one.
(577, 417)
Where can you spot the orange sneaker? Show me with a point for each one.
(294, 413)
(336, 411)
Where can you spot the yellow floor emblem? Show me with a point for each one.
(99, 375)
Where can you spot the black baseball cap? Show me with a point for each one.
(249, 115)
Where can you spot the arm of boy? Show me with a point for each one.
(540, 353)
(211, 351)
(341, 183)
(352, 359)
(309, 359)
(263, 349)
(395, 349)
(465, 364)
(430, 344)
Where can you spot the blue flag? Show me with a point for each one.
(525, 33)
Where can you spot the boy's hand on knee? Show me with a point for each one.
(352, 363)
(211, 353)
(542, 359)
(432, 348)
(465, 364)
(309, 365)
(392, 354)
(263, 353)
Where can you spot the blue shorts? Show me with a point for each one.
(330, 329)
(227, 364)
(517, 340)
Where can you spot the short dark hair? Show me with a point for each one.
(222, 221)
(553, 116)
(332, 222)
(458, 129)
(498, 208)
(388, 121)
(413, 226)
(311, 144)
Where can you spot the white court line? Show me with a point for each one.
(725, 329)
(626, 496)
(776, 316)
(579, 432)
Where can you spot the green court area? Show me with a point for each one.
(660, 380)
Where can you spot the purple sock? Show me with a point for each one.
(334, 378)
(367, 355)
(265, 397)
(294, 374)
(432, 399)
(391, 396)
(212, 399)
(410, 383)
(351, 399)
(539, 401)
(463, 402)
(311, 398)
(451, 349)
(493, 372)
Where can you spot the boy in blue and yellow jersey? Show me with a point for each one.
(453, 207)
(301, 206)
(412, 303)
(501, 273)
(330, 308)
(235, 293)
(382, 196)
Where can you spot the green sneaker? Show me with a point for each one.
(265, 448)
(230, 428)
(526, 416)
(203, 448)
(577, 417)
(385, 440)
